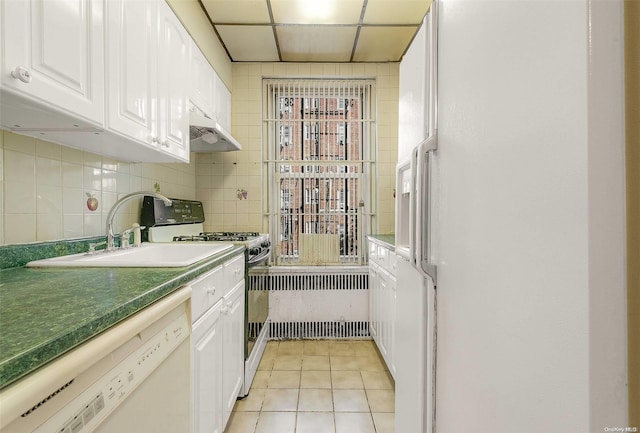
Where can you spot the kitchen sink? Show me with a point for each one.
(148, 255)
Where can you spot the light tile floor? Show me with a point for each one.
(318, 386)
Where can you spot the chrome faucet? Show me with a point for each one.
(116, 206)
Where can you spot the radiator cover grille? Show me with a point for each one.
(318, 330)
(314, 303)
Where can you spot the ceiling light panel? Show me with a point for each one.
(237, 11)
(316, 43)
(317, 11)
(249, 43)
(396, 11)
(383, 44)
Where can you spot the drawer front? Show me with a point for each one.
(206, 291)
(233, 272)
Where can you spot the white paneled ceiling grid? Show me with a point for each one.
(316, 30)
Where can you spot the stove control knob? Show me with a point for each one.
(254, 251)
(266, 244)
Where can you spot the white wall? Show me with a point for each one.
(529, 284)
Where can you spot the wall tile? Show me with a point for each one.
(49, 226)
(19, 143)
(48, 171)
(19, 197)
(92, 178)
(73, 200)
(49, 150)
(93, 225)
(19, 228)
(72, 175)
(49, 200)
(91, 160)
(19, 167)
(73, 226)
(72, 155)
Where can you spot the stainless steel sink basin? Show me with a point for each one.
(149, 255)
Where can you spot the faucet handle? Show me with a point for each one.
(92, 247)
(124, 238)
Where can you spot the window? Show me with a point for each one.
(320, 168)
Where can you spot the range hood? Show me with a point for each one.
(207, 135)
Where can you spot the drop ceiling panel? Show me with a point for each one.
(310, 43)
(396, 11)
(249, 43)
(316, 11)
(315, 30)
(238, 11)
(383, 44)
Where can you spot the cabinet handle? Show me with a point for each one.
(21, 73)
(164, 143)
(224, 309)
(211, 291)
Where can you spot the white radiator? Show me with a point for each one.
(317, 302)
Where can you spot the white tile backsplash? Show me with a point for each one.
(44, 186)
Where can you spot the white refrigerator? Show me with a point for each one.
(522, 209)
(415, 331)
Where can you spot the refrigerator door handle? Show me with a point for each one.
(423, 212)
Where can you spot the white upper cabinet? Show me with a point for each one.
(222, 103)
(147, 60)
(132, 50)
(202, 81)
(173, 70)
(53, 54)
(413, 109)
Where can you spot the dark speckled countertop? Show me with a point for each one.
(388, 241)
(45, 312)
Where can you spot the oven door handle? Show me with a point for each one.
(260, 258)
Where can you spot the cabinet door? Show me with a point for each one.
(413, 110)
(206, 343)
(173, 69)
(390, 307)
(222, 104)
(383, 317)
(132, 29)
(233, 348)
(373, 300)
(202, 80)
(55, 50)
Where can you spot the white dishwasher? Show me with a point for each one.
(134, 377)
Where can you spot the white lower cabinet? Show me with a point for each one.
(206, 341)
(373, 299)
(382, 302)
(232, 349)
(217, 344)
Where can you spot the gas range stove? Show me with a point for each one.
(220, 237)
(258, 244)
(183, 222)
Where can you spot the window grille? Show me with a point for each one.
(319, 158)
